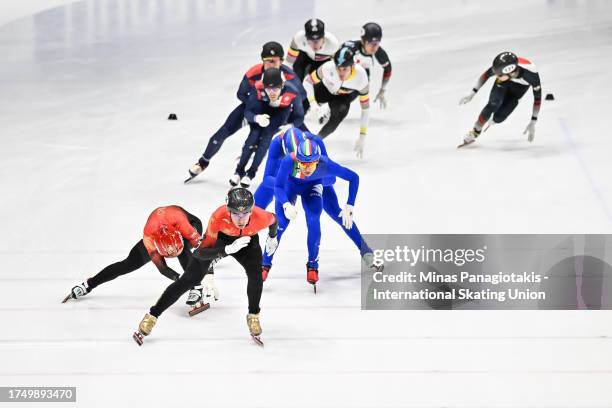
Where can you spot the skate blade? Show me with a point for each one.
(67, 298)
(187, 180)
(465, 144)
(199, 309)
(138, 338)
(257, 340)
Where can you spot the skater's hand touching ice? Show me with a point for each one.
(530, 131)
(359, 144)
(209, 288)
(237, 245)
(380, 97)
(467, 98)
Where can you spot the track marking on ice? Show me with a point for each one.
(570, 140)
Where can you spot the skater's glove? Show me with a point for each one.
(209, 288)
(237, 245)
(380, 97)
(271, 245)
(347, 216)
(359, 145)
(467, 98)
(530, 130)
(313, 112)
(262, 120)
(290, 211)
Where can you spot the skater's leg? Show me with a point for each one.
(262, 149)
(332, 208)
(338, 109)
(313, 206)
(250, 258)
(192, 276)
(232, 124)
(514, 94)
(300, 65)
(265, 192)
(247, 149)
(137, 257)
(496, 99)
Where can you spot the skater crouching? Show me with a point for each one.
(232, 230)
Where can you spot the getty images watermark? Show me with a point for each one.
(489, 272)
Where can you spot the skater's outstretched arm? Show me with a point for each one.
(334, 169)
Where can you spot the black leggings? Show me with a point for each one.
(503, 99)
(303, 65)
(339, 106)
(249, 257)
(138, 257)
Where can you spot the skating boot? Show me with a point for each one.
(194, 299)
(144, 328)
(196, 169)
(312, 276)
(78, 291)
(265, 270)
(254, 327)
(368, 261)
(245, 182)
(234, 180)
(469, 138)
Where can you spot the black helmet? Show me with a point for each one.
(315, 29)
(505, 63)
(344, 57)
(240, 200)
(272, 78)
(272, 49)
(371, 32)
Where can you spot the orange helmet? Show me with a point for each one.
(168, 242)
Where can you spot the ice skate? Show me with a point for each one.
(234, 180)
(144, 328)
(77, 292)
(254, 327)
(196, 169)
(368, 261)
(265, 270)
(194, 299)
(312, 276)
(245, 182)
(469, 138)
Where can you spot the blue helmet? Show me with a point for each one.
(292, 138)
(308, 151)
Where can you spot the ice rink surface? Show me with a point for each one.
(87, 153)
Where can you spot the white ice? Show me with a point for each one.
(87, 153)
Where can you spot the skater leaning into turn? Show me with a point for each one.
(513, 77)
(272, 103)
(170, 232)
(368, 50)
(271, 57)
(286, 143)
(338, 83)
(232, 230)
(303, 173)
